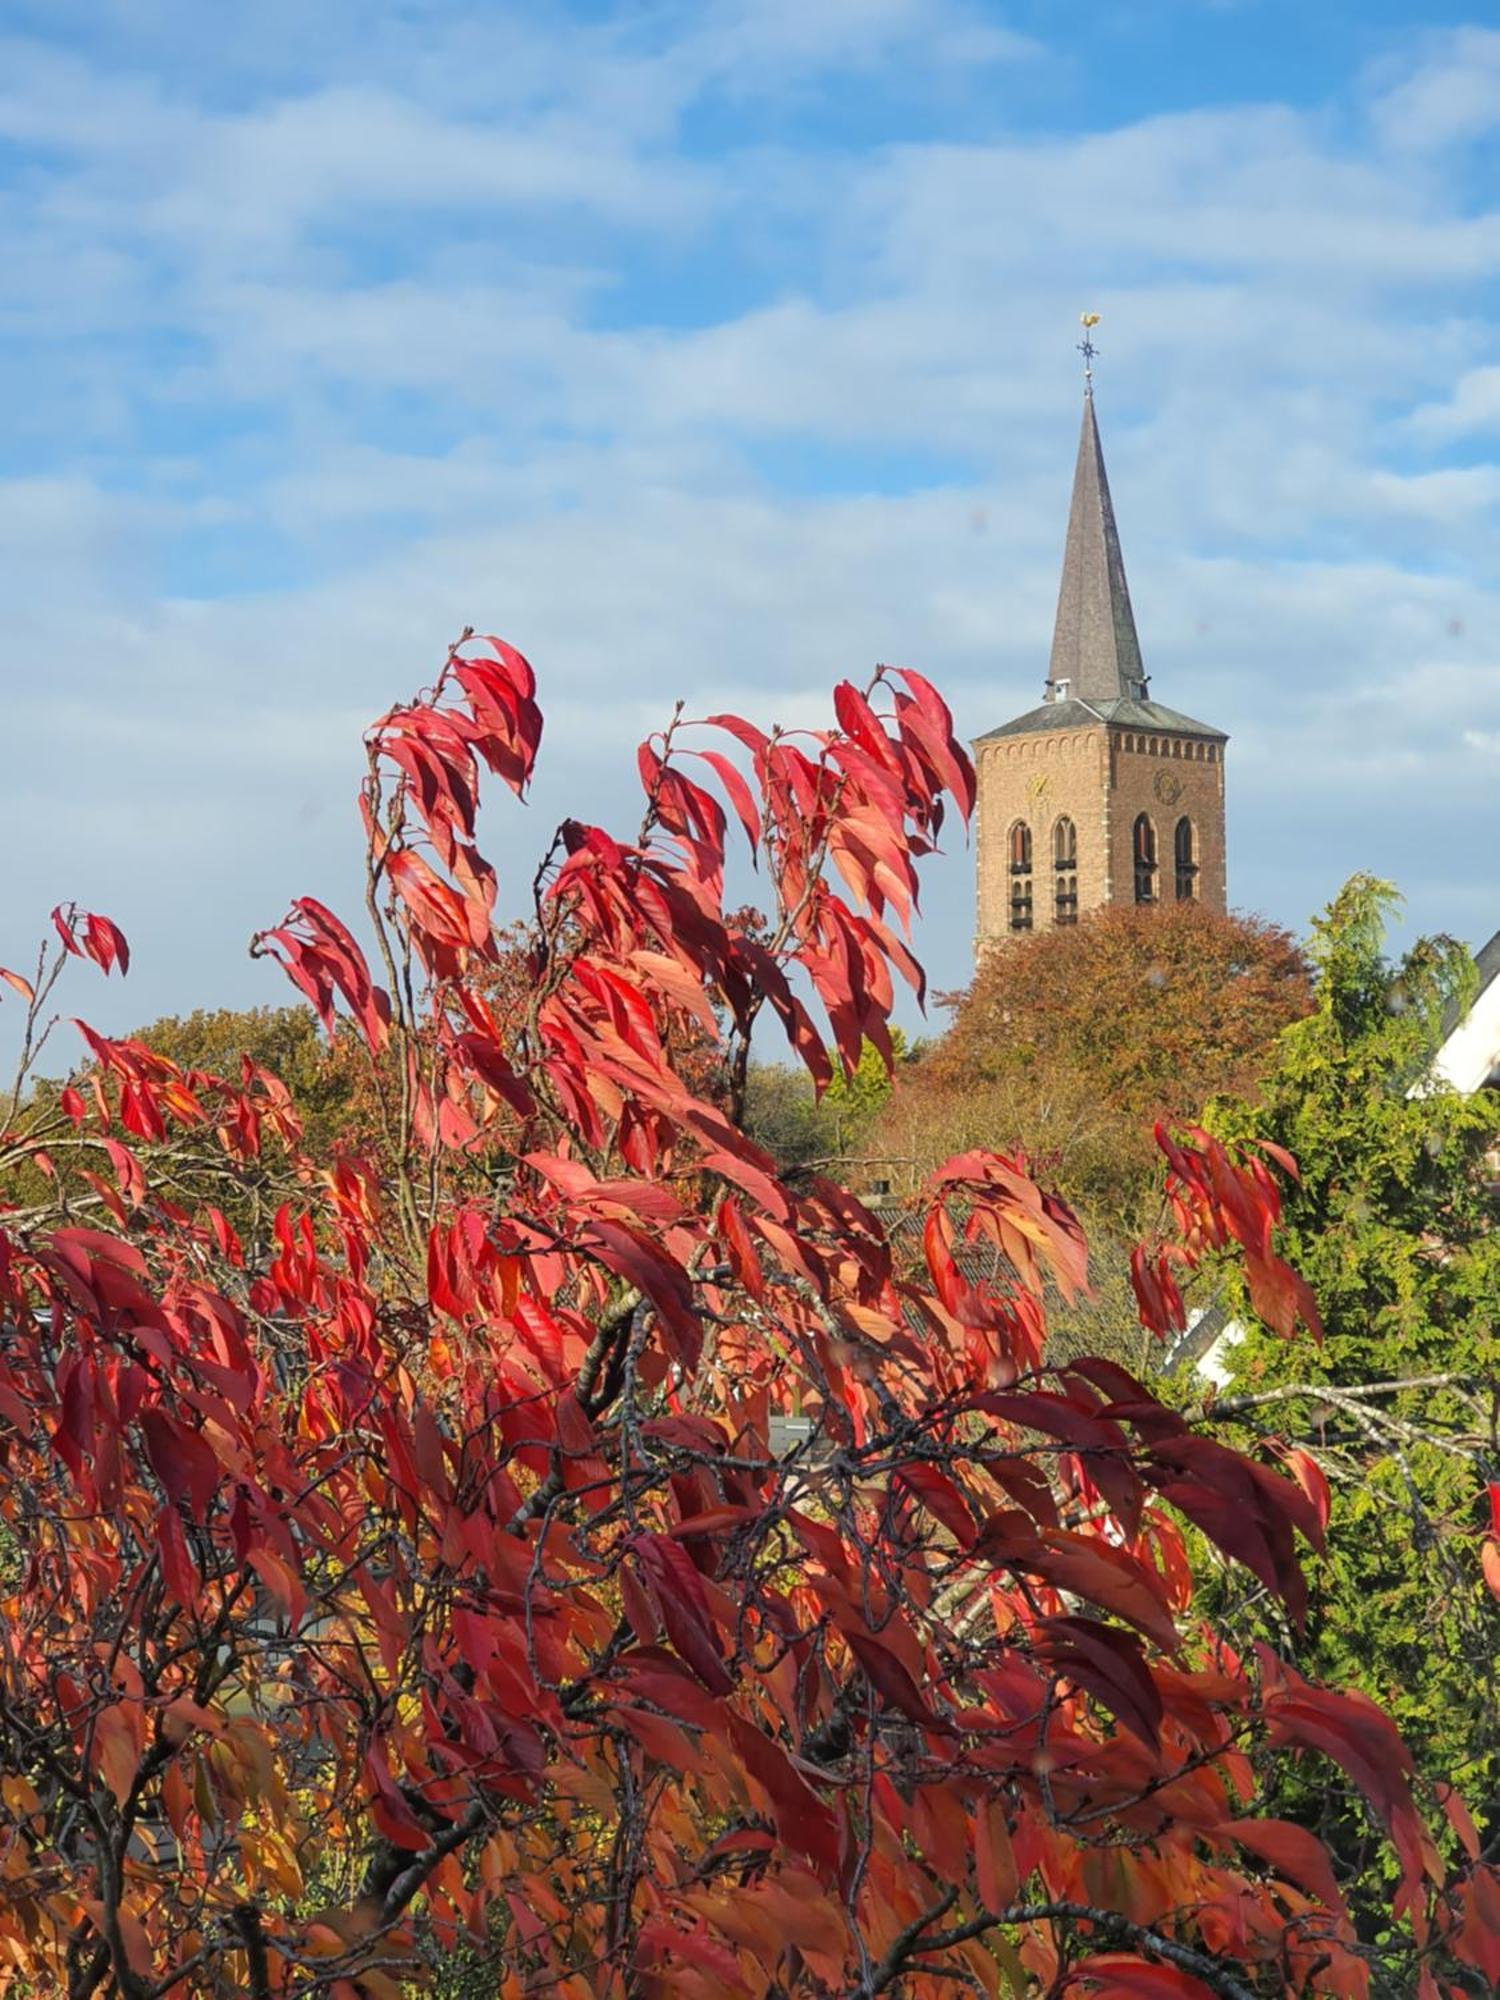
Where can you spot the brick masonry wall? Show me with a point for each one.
(1167, 777)
(1040, 779)
(1100, 779)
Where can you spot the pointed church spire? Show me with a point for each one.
(1096, 656)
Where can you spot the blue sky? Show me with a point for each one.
(724, 349)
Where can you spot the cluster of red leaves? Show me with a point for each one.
(100, 940)
(653, 1580)
(132, 1100)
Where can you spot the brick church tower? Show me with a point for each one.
(1100, 795)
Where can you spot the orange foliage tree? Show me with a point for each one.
(574, 1544)
(1073, 1042)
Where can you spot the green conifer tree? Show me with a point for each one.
(1393, 1223)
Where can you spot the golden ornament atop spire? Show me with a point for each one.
(1086, 347)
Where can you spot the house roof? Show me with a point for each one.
(1487, 958)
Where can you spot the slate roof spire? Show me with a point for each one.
(1096, 656)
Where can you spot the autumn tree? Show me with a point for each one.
(1392, 1220)
(218, 1052)
(800, 1125)
(234, 1138)
(1073, 1042)
(322, 1077)
(430, 1585)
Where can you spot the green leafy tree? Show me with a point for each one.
(1392, 1222)
(785, 1114)
(854, 1103)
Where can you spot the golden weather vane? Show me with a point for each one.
(1086, 347)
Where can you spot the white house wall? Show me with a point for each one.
(1470, 1057)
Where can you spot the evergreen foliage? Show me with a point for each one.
(1393, 1223)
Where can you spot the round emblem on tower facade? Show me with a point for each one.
(1167, 787)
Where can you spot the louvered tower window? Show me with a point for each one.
(1020, 876)
(1185, 855)
(1143, 845)
(1065, 872)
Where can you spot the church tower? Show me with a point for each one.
(1100, 795)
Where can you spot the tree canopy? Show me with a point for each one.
(1392, 1219)
(576, 1549)
(799, 1125)
(1073, 1042)
(323, 1078)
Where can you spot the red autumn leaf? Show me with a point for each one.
(890, 1679)
(1091, 1568)
(102, 941)
(1477, 1941)
(658, 1939)
(1109, 1663)
(1309, 1475)
(129, 1176)
(1117, 1975)
(1282, 1297)
(570, 1494)
(1350, 1729)
(1292, 1851)
(941, 1498)
(105, 944)
(181, 1460)
(1281, 1156)
(1459, 1818)
(387, 1807)
(177, 1569)
(283, 1582)
(738, 792)
(321, 958)
(713, 1521)
(63, 922)
(929, 720)
(803, 1822)
(117, 1749)
(677, 1590)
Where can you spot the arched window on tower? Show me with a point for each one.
(1020, 876)
(1143, 846)
(1065, 872)
(1185, 856)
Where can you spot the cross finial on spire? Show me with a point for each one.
(1086, 347)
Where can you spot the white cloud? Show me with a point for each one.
(1239, 190)
(1451, 96)
(1473, 406)
(755, 44)
(457, 324)
(341, 152)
